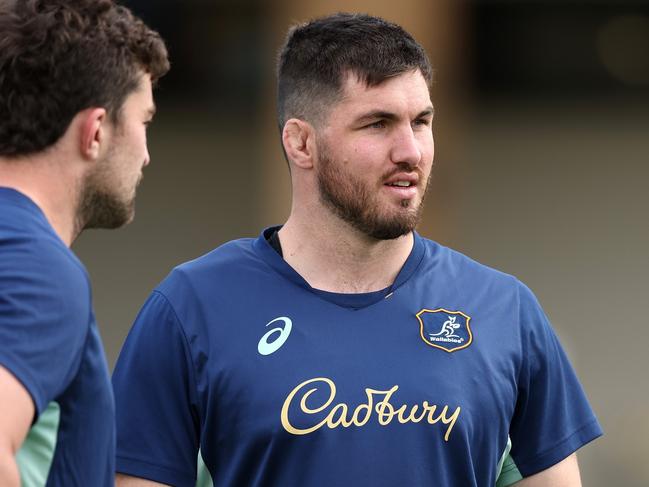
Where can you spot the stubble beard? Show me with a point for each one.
(355, 203)
(100, 206)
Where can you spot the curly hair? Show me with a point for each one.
(59, 57)
(317, 54)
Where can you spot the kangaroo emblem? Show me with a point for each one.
(448, 328)
(445, 329)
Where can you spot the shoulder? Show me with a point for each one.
(38, 271)
(457, 265)
(223, 257)
(456, 275)
(40, 259)
(488, 285)
(209, 276)
(27, 239)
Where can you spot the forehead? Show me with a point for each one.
(405, 94)
(142, 97)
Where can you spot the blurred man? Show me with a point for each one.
(75, 100)
(342, 348)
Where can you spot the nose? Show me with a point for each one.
(147, 157)
(406, 147)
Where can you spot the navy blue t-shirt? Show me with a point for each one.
(281, 384)
(49, 341)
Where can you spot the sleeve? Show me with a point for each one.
(155, 398)
(44, 319)
(552, 418)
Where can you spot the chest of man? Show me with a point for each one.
(420, 380)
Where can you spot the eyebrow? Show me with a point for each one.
(383, 115)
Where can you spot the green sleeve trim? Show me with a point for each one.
(204, 479)
(35, 456)
(508, 473)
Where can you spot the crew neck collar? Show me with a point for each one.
(346, 300)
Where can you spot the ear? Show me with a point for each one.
(298, 137)
(93, 132)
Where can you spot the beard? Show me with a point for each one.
(358, 204)
(101, 209)
(101, 206)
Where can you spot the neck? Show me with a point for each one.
(50, 186)
(333, 256)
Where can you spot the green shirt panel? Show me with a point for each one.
(35, 456)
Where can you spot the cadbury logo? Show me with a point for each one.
(378, 404)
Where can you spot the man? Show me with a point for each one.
(343, 348)
(75, 99)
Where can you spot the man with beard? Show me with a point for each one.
(75, 99)
(342, 348)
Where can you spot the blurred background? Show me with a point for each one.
(541, 168)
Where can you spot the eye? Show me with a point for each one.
(422, 122)
(379, 124)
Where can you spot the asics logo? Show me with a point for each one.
(275, 337)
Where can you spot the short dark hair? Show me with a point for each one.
(317, 54)
(59, 57)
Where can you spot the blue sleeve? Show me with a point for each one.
(44, 317)
(155, 398)
(552, 418)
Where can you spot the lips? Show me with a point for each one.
(401, 184)
(402, 180)
(402, 189)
